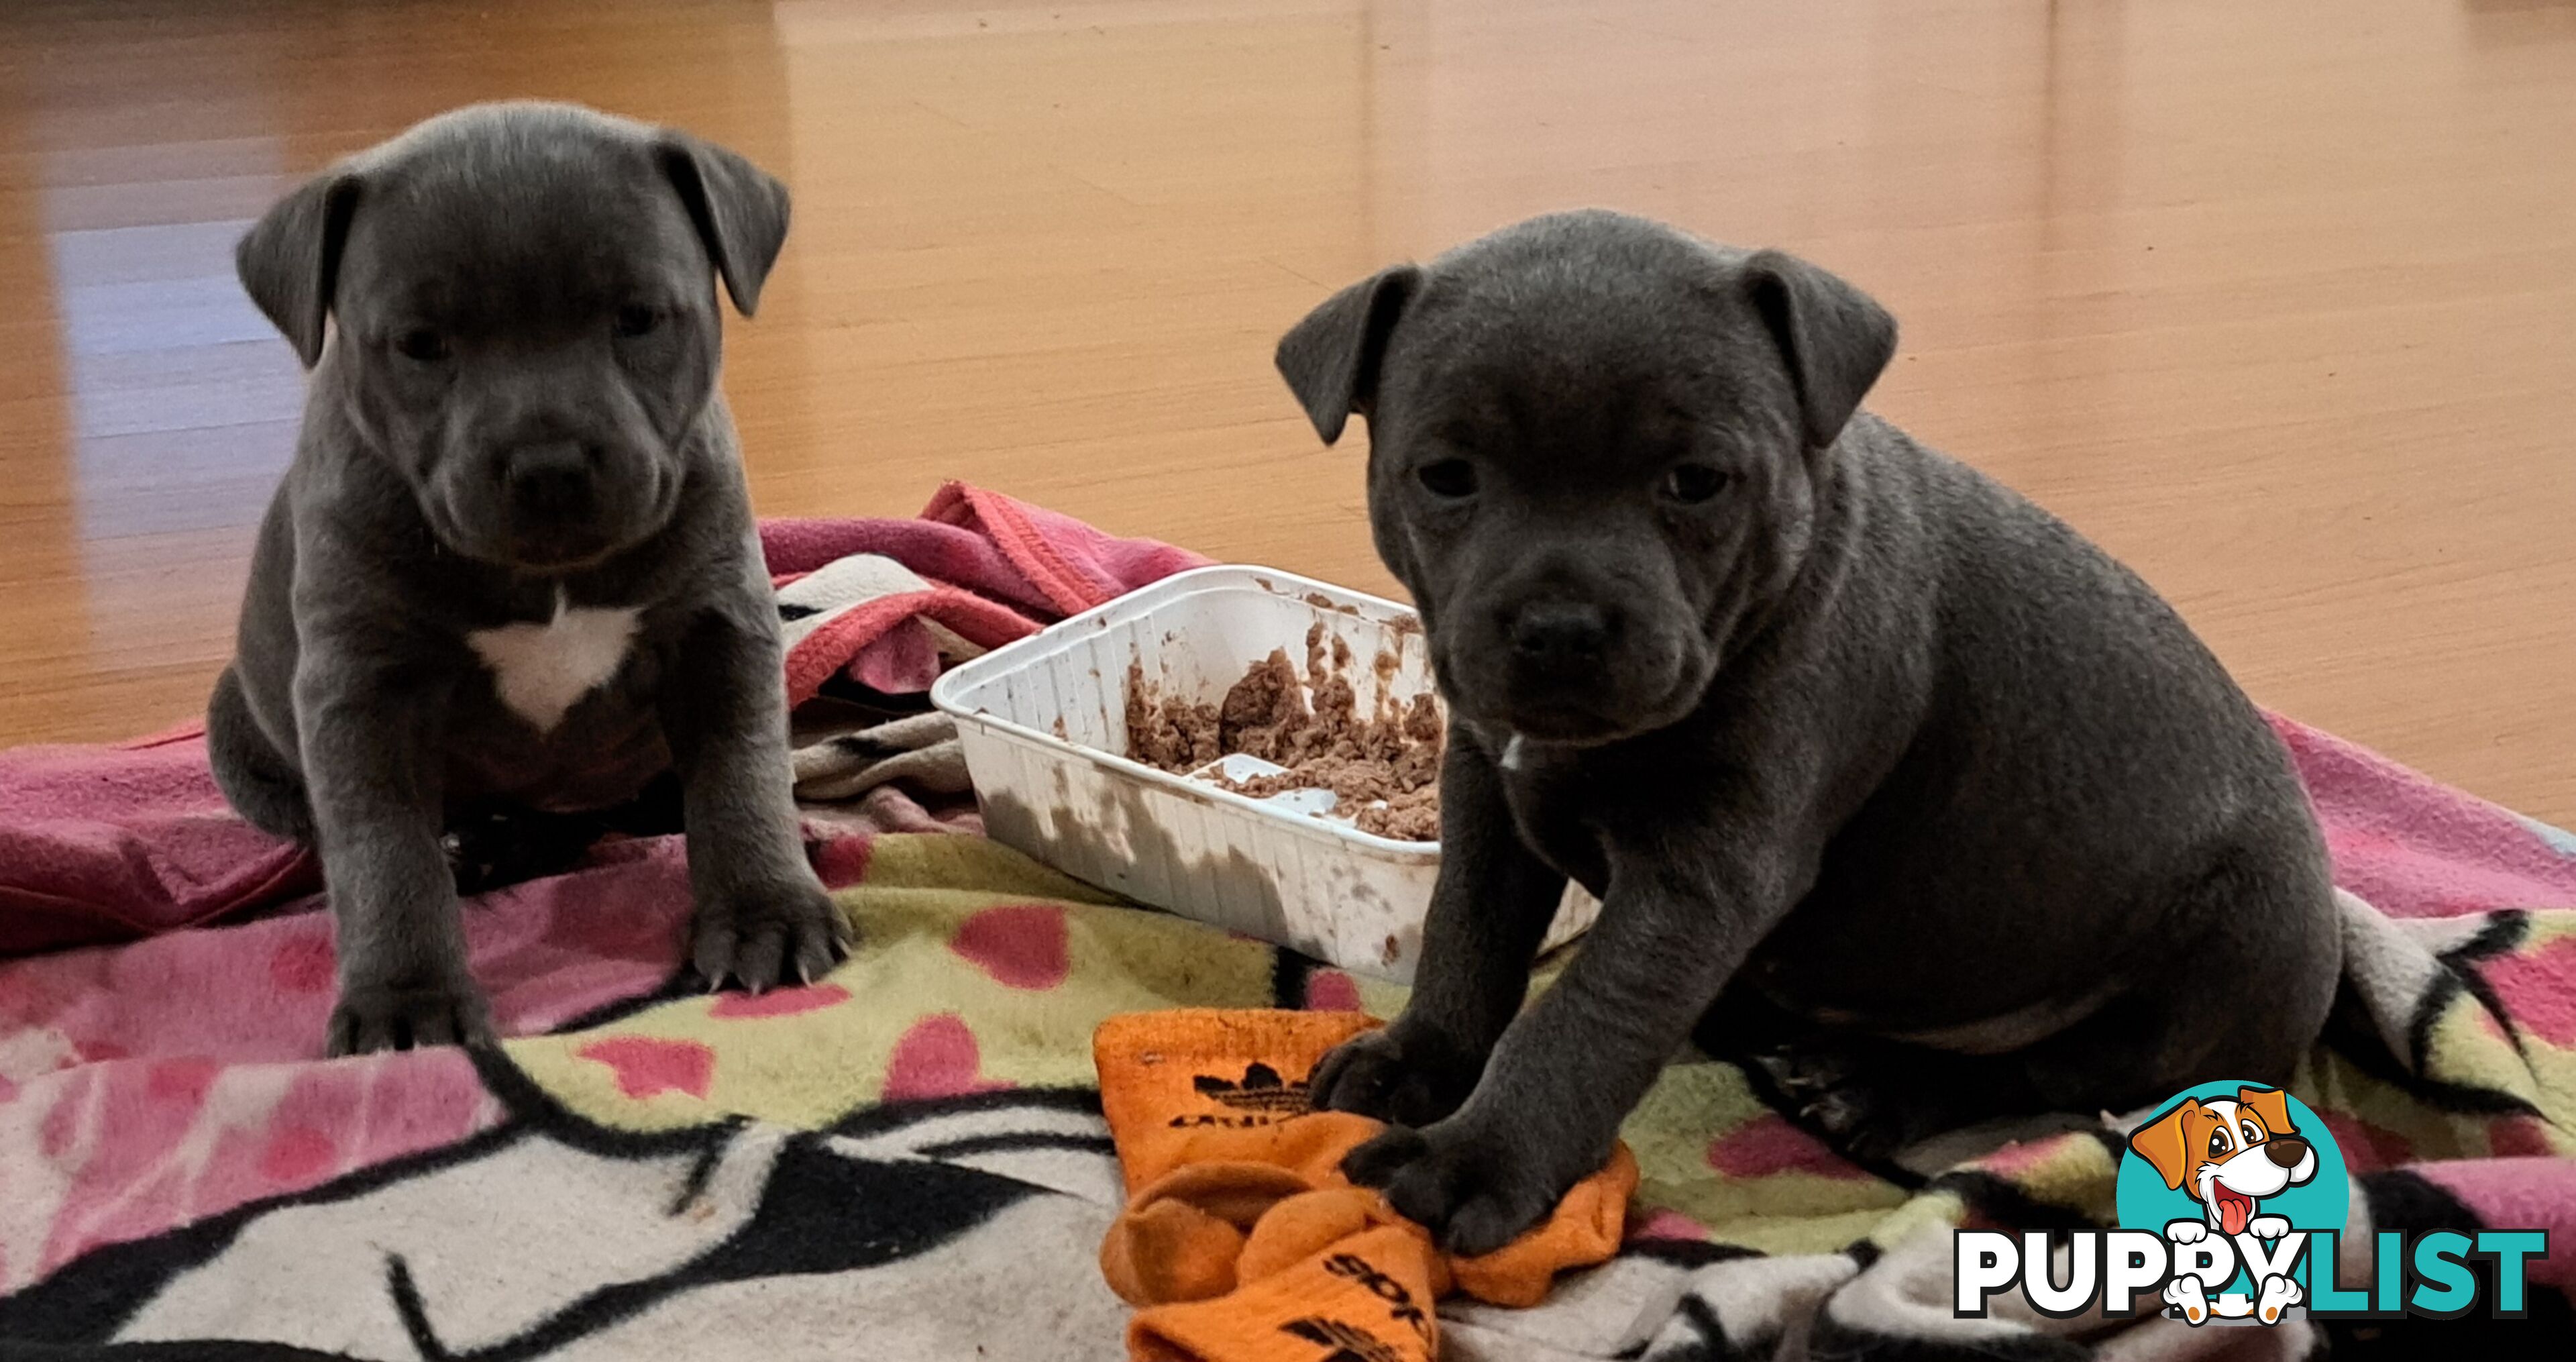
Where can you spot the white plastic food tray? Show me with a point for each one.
(1044, 724)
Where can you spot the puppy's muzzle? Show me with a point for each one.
(551, 486)
(559, 503)
(1561, 658)
(1559, 641)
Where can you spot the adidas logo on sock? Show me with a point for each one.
(1349, 1342)
(1260, 1089)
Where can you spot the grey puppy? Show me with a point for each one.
(513, 559)
(1882, 773)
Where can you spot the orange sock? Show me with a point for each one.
(1203, 1086)
(1585, 1228)
(1181, 1237)
(1243, 1241)
(1366, 1297)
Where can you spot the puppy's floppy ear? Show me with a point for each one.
(1835, 338)
(740, 211)
(2165, 1145)
(2271, 1104)
(1331, 358)
(289, 261)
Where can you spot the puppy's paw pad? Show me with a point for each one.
(1840, 1113)
(1858, 1124)
(1834, 1093)
(1804, 1075)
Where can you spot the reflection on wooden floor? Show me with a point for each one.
(2276, 302)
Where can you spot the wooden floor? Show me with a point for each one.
(2276, 301)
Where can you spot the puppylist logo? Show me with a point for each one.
(2232, 1201)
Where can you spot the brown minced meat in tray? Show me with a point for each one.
(1384, 770)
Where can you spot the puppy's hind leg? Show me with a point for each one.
(1883, 1101)
(256, 781)
(2243, 1002)
(1871, 1098)
(492, 846)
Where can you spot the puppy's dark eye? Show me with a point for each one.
(637, 320)
(2218, 1142)
(1450, 478)
(1693, 483)
(422, 344)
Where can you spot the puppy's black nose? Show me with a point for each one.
(2285, 1150)
(1561, 633)
(551, 481)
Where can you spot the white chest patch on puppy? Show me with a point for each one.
(542, 670)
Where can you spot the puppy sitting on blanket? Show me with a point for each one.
(513, 559)
(1881, 773)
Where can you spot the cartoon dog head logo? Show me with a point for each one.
(2232, 1202)
(2234, 1177)
(2228, 1154)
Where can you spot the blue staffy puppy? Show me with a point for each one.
(513, 559)
(1881, 773)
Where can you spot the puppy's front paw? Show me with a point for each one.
(2267, 1226)
(372, 1017)
(1410, 1081)
(787, 933)
(1473, 1192)
(2186, 1231)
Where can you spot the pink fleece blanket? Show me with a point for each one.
(160, 1090)
(102, 844)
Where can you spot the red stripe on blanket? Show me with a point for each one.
(998, 516)
(833, 643)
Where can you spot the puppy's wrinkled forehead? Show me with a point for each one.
(1526, 340)
(492, 224)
